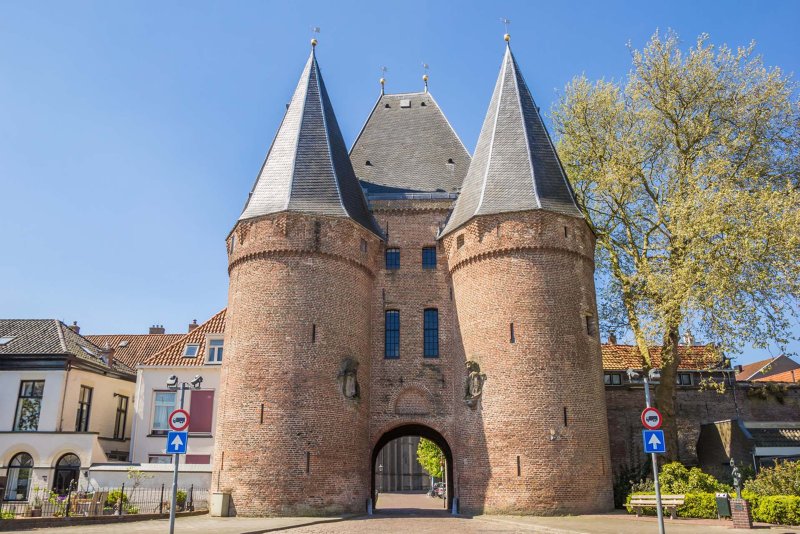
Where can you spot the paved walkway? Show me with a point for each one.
(408, 502)
(422, 522)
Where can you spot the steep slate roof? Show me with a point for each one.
(696, 357)
(766, 368)
(408, 143)
(307, 168)
(173, 355)
(133, 349)
(35, 338)
(515, 166)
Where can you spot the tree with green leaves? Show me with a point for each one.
(689, 175)
(430, 457)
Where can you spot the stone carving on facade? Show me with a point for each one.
(348, 379)
(474, 384)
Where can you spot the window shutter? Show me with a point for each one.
(201, 411)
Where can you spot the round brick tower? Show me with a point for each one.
(534, 433)
(293, 427)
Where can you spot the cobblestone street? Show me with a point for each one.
(421, 522)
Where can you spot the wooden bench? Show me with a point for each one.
(668, 502)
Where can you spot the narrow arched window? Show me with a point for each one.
(18, 477)
(68, 468)
(431, 333)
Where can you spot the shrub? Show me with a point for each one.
(783, 479)
(130, 509)
(7, 515)
(676, 478)
(181, 498)
(113, 498)
(777, 509)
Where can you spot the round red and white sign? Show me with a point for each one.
(179, 420)
(651, 419)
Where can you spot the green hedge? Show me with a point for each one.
(699, 505)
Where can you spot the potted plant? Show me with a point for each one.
(36, 503)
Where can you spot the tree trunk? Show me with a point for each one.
(666, 391)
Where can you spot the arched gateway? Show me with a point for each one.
(405, 287)
(424, 432)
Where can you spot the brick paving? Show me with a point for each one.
(423, 522)
(407, 501)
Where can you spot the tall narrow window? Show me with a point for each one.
(431, 333)
(164, 404)
(122, 417)
(215, 350)
(84, 407)
(392, 259)
(392, 334)
(18, 478)
(512, 338)
(429, 258)
(29, 405)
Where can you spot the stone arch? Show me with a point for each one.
(416, 429)
(413, 401)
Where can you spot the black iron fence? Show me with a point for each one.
(105, 501)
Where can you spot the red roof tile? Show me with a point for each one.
(787, 376)
(133, 349)
(173, 355)
(620, 357)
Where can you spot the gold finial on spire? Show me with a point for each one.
(425, 75)
(384, 70)
(506, 22)
(314, 32)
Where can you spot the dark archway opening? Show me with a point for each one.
(421, 431)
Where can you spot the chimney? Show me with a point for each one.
(688, 340)
(157, 329)
(193, 325)
(107, 353)
(74, 327)
(612, 338)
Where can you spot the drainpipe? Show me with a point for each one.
(63, 399)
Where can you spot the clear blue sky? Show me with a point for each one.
(131, 132)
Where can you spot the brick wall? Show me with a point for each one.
(517, 455)
(306, 454)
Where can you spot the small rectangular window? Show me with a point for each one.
(392, 259)
(460, 241)
(392, 334)
(190, 351)
(590, 326)
(431, 333)
(163, 406)
(122, 417)
(612, 379)
(364, 245)
(513, 337)
(29, 405)
(84, 407)
(215, 347)
(159, 459)
(684, 379)
(429, 258)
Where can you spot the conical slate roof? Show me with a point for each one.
(515, 166)
(307, 168)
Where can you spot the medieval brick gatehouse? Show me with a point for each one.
(406, 288)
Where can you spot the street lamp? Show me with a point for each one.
(173, 384)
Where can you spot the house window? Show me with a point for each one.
(460, 241)
(684, 379)
(163, 406)
(612, 379)
(392, 334)
(18, 479)
(66, 474)
(159, 458)
(364, 246)
(392, 259)
(198, 458)
(215, 350)
(29, 405)
(202, 409)
(122, 417)
(431, 333)
(190, 351)
(84, 407)
(590, 326)
(429, 258)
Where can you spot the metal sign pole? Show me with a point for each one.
(177, 457)
(659, 511)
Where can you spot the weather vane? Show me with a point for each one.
(425, 75)
(384, 70)
(506, 22)
(314, 33)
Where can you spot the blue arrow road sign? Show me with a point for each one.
(654, 441)
(176, 442)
